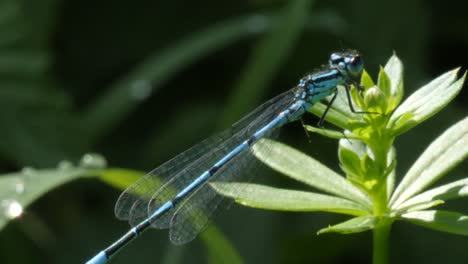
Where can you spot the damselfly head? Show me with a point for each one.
(348, 62)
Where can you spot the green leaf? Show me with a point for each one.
(394, 70)
(442, 155)
(334, 115)
(340, 114)
(220, 250)
(350, 155)
(217, 245)
(265, 197)
(331, 133)
(445, 192)
(416, 207)
(383, 82)
(426, 101)
(125, 95)
(391, 176)
(120, 178)
(356, 97)
(305, 169)
(197, 116)
(267, 57)
(19, 190)
(354, 225)
(401, 121)
(450, 222)
(366, 80)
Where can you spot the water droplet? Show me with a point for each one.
(28, 172)
(93, 161)
(64, 165)
(140, 90)
(19, 186)
(11, 208)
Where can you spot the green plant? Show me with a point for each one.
(368, 160)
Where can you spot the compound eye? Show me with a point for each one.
(356, 65)
(342, 65)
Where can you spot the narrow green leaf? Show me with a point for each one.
(401, 121)
(383, 82)
(366, 80)
(196, 116)
(443, 154)
(394, 70)
(267, 57)
(265, 197)
(356, 97)
(331, 133)
(350, 159)
(354, 225)
(391, 176)
(219, 249)
(126, 94)
(334, 115)
(303, 168)
(445, 221)
(341, 104)
(445, 192)
(217, 245)
(19, 190)
(427, 101)
(120, 178)
(340, 114)
(356, 146)
(416, 207)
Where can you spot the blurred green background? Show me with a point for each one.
(141, 81)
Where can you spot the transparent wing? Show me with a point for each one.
(173, 175)
(142, 190)
(211, 156)
(133, 202)
(193, 215)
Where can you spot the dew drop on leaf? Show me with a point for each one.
(28, 172)
(11, 208)
(19, 186)
(64, 165)
(93, 161)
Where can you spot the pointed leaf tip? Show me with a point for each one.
(445, 221)
(448, 150)
(426, 101)
(354, 225)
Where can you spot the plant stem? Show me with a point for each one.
(380, 244)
